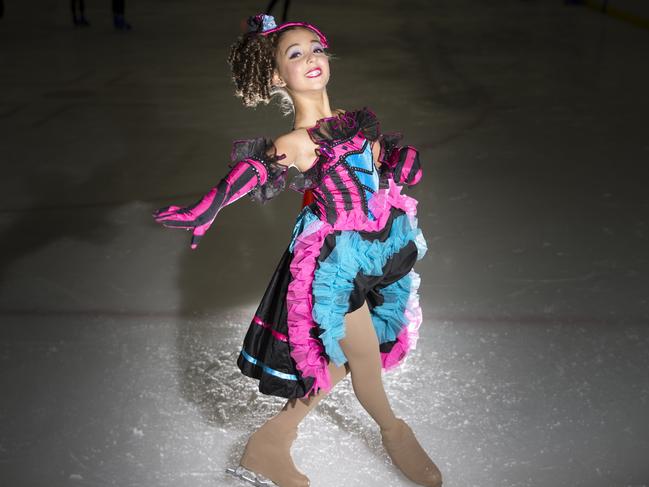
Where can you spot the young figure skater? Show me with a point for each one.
(344, 295)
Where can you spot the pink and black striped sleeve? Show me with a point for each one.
(401, 162)
(254, 170)
(260, 154)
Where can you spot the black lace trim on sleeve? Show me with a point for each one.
(263, 150)
(388, 142)
(308, 179)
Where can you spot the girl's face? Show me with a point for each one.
(302, 64)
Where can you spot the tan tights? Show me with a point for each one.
(268, 449)
(361, 347)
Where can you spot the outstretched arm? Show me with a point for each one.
(261, 175)
(245, 176)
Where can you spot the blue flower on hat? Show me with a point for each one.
(261, 23)
(268, 22)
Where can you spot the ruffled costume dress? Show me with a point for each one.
(358, 241)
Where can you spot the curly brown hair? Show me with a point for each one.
(252, 61)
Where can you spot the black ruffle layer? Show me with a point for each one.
(333, 130)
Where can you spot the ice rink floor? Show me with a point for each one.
(118, 343)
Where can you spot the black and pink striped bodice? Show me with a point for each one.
(344, 176)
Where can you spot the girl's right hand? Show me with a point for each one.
(198, 217)
(177, 217)
(244, 176)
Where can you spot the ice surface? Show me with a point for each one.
(118, 343)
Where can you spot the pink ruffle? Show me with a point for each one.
(407, 339)
(307, 351)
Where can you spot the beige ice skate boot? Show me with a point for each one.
(408, 455)
(267, 456)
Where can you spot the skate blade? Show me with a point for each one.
(255, 479)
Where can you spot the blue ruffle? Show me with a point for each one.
(334, 281)
(388, 318)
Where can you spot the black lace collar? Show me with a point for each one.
(344, 126)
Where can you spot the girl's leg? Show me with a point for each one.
(268, 449)
(295, 410)
(361, 347)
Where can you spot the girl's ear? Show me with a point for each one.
(276, 80)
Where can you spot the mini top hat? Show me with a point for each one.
(263, 24)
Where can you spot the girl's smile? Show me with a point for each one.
(314, 73)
